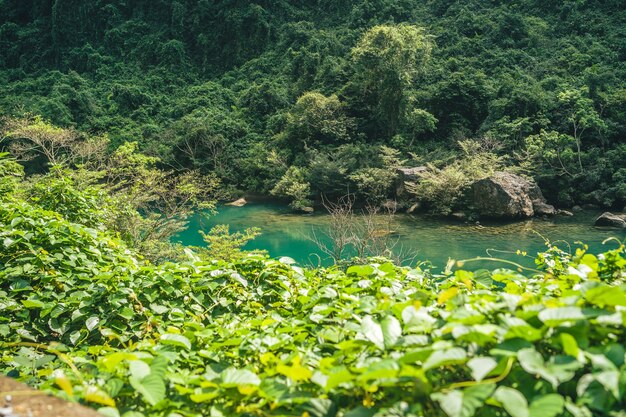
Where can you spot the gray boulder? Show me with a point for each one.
(404, 175)
(611, 220)
(508, 196)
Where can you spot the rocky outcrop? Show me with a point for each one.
(508, 196)
(611, 220)
(238, 203)
(412, 175)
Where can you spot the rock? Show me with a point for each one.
(238, 203)
(307, 210)
(543, 209)
(591, 207)
(413, 175)
(577, 208)
(611, 220)
(564, 213)
(414, 208)
(508, 196)
(459, 215)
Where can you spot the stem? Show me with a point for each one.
(494, 380)
(482, 258)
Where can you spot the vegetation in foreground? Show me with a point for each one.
(86, 317)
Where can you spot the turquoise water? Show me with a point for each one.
(428, 238)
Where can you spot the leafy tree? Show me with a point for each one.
(293, 185)
(387, 60)
(581, 115)
(316, 120)
(224, 245)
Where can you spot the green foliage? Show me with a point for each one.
(442, 188)
(315, 120)
(219, 86)
(10, 174)
(387, 60)
(84, 318)
(293, 185)
(223, 245)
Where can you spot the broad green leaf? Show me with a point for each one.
(606, 295)
(109, 412)
(464, 403)
(320, 407)
(550, 405)
(373, 332)
(152, 388)
(92, 323)
(33, 303)
(445, 357)
(570, 347)
(233, 377)
(553, 317)
(481, 366)
(391, 330)
(175, 340)
(512, 401)
(360, 270)
(139, 369)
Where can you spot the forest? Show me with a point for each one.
(121, 121)
(303, 99)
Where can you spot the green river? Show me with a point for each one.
(432, 239)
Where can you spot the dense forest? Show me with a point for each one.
(300, 99)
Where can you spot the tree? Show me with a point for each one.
(294, 185)
(387, 60)
(316, 120)
(580, 115)
(223, 245)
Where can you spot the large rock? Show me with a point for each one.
(508, 196)
(238, 203)
(611, 220)
(411, 175)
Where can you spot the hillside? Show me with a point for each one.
(317, 95)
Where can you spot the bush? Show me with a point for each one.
(82, 317)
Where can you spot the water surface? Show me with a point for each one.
(436, 240)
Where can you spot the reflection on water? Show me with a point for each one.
(436, 240)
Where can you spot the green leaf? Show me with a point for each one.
(512, 401)
(151, 388)
(233, 377)
(570, 347)
(109, 412)
(373, 332)
(175, 340)
(606, 295)
(553, 317)
(320, 407)
(445, 357)
(139, 369)
(33, 304)
(481, 366)
(550, 405)
(360, 270)
(391, 330)
(464, 403)
(92, 322)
